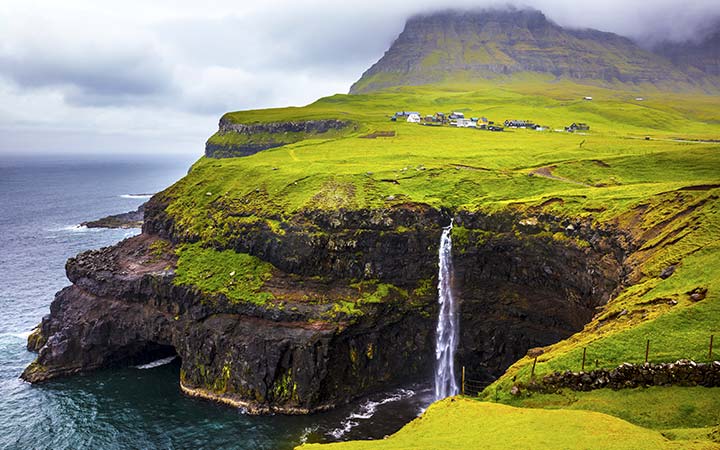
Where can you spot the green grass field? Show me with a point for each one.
(457, 423)
(612, 174)
(658, 408)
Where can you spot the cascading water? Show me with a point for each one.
(447, 327)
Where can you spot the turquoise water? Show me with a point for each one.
(41, 203)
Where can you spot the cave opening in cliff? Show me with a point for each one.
(147, 353)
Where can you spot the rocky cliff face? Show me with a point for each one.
(700, 58)
(123, 309)
(466, 46)
(523, 287)
(519, 288)
(238, 139)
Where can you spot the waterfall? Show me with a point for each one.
(447, 327)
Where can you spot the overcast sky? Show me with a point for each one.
(123, 76)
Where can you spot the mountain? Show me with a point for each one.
(455, 46)
(700, 58)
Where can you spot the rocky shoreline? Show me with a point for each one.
(130, 219)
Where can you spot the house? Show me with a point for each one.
(587, 98)
(519, 124)
(639, 99)
(431, 120)
(577, 127)
(465, 123)
(456, 115)
(414, 118)
(405, 113)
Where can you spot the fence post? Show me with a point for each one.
(583, 362)
(462, 389)
(711, 345)
(532, 373)
(647, 350)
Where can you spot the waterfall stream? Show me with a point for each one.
(447, 327)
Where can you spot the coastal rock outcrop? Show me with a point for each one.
(303, 351)
(130, 219)
(124, 309)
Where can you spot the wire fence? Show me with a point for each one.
(586, 362)
(475, 387)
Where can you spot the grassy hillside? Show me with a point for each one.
(663, 190)
(439, 165)
(458, 423)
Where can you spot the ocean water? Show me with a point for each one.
(42, 201)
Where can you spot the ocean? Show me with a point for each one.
(42, 201)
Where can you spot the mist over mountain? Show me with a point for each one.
(697, 57)
(462, 46)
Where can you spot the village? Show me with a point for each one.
(458, 119)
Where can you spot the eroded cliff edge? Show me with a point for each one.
(350, 304)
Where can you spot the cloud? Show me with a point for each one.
(92, 79)
(83, 65)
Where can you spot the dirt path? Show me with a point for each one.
(546, 172)
(687, 141)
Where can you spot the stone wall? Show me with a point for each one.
(680, 373)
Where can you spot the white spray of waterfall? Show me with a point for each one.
(447, 327)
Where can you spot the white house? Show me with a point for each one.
(587, 98)
(465, 123)
(414, 118)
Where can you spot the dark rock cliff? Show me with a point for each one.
(124, 309)
(519, 288)
(238, 139)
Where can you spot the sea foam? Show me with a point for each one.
(156, 363)
(136, 195)
(366, 410)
